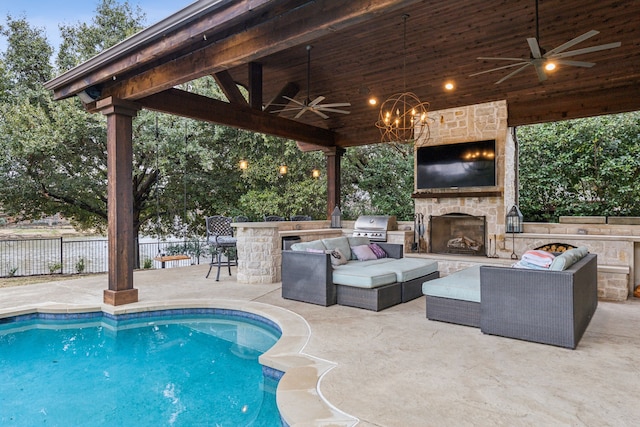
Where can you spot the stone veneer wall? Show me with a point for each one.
(259, 256)
(617, 246)
(467, 124)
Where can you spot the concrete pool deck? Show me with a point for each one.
(395, 367)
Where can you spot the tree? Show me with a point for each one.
(378, 179)
(580, 167)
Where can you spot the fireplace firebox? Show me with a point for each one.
(457, 233)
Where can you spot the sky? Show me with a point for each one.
(48, 14)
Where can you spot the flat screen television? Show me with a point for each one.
(468, 164)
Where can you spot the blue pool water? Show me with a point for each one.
(171, 368)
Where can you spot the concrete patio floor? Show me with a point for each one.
(396, 368)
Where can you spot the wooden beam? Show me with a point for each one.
(229, 88)
(255, 85)
(169, 43)
(186, 104)
(291, 89)
(301, 25)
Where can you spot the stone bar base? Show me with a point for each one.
(127, 296)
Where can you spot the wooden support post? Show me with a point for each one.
(255, 85)
(119, 200)
(333, 157)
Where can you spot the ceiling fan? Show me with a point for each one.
(314, 106)
(542, 60)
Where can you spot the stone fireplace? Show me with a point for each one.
(458, 234)
(468, 124)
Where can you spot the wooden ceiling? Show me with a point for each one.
(358, 53)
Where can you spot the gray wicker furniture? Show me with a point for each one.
(550, 307)
(455, 298)
(309, 277)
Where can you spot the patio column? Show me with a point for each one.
(333, 156)
(119, 200)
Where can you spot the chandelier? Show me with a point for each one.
(403, 117)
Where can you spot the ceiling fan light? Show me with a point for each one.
(550, 66)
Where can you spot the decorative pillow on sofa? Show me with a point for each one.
(337, 257)
(303, 246)
(363, 253)
(377, 250)
(341, 243)
(568, 258)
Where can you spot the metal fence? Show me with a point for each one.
(31, 257)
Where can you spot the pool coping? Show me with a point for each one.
(298, 395)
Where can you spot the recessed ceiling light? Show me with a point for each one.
(449, 86)
(373, 101)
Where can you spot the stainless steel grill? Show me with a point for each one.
(374, 227)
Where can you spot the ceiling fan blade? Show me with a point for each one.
(540, 72)
(573, 42)
(294, 101)
(535, 48)
(586, 50)
(574, 63)
(499, 59)
(335, 104)
(297, 116)
(320, 113)
(513, 73)
(499, 68)
(284, 110)
(332, 110)
(316, 101)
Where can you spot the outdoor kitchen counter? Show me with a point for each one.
(259, 246)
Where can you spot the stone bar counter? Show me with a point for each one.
(260, 244)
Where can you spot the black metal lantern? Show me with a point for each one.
(513, 226)
(336, 218)
(514, 221)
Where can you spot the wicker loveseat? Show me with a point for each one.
(309, 276)
(550, 307)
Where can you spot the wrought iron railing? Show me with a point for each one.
(31, 257)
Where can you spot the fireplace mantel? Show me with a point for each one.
(448, 194)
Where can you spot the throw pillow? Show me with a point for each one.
(341, 243)
(337, 257)
(363, 253)
(568, 258)
(377, 250)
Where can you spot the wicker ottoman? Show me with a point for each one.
(454, 298)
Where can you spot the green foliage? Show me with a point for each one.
(580, 167)
(147, 263)
(11, 272)
(378, 180)
(112, 23)
(80, 265)
(54, 266)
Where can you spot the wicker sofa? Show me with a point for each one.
(550, 307)
(309, 276)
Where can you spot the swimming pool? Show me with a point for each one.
(173, 367)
